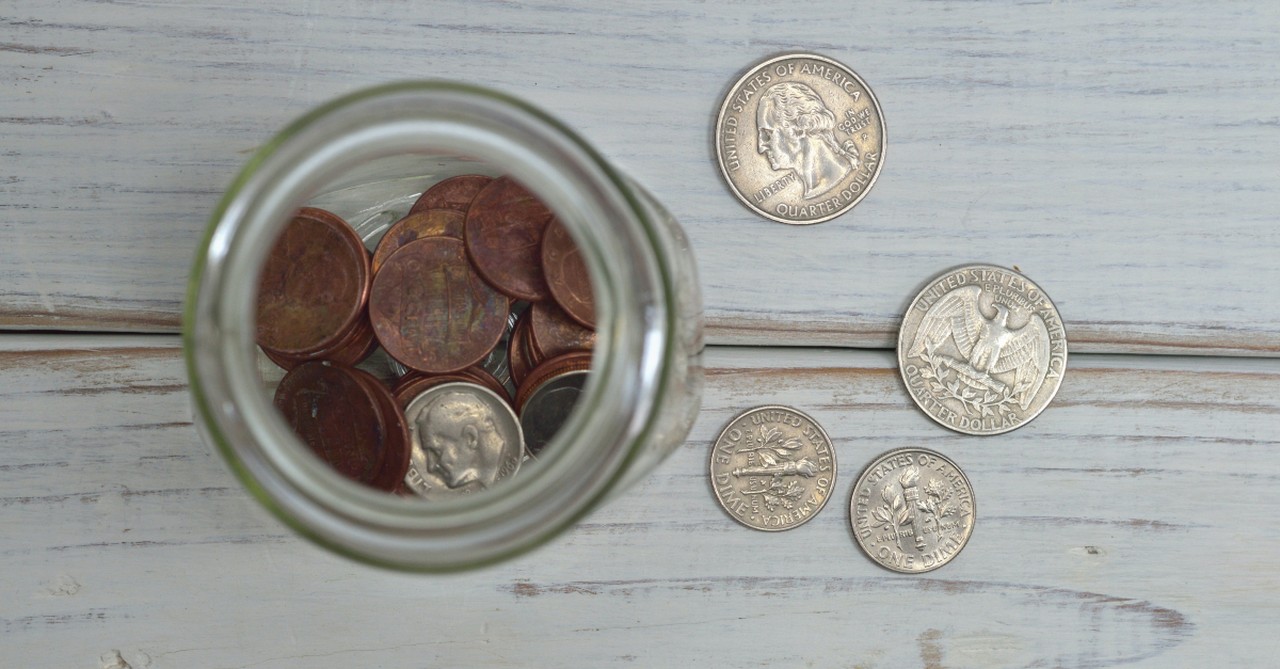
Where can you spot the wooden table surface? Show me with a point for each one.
(1124, 156)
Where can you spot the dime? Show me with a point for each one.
(547, 408)
(800, 139)
(982, 349)
(566, 274)
(912, 510)
(426, 223)
(313, 287)
(337, 417)
(773, 468)
(465, 439)
(504, 239)
(431, 312)
(454, 193)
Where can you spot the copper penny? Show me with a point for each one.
(351, 349)
(519, 350)
(415, 383)
(504, 239)
(427, 223)
(395, 462)
(454, 193)
(314, 285)
(566, 274)
(472, 374)
(575, 361)
(431, 311)
(554, 333)
(336, 417)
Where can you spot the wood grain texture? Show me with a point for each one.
(1123, 155)
(1127, 525)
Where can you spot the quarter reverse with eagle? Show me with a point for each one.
(982, 349)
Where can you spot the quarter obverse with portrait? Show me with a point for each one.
(800, 139)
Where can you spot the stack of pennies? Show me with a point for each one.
(480, 301)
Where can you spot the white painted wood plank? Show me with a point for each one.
(1127, 525)
(1123, 155)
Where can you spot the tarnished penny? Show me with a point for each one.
(415, 383)
(433, 313)
(426, 223)
(982, 349)
(454, 193)
(912, 510)
(546, 409)
(574, 361)
(465, 439)
(773, 468)
(800, 139)
(504, 239)
(336, 416)
(395, 434)
(566, 274)
(314, 285)
(553, 333)
(519, 349)
(358, 344)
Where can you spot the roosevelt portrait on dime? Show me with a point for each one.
(460, 440)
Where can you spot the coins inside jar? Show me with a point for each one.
(436, 353)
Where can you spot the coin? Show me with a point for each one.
(337, 417)
(426, 223)
(800, 139)
(465, 439)
(431, 312)
(548, 406)
(395, 434)
(573, 361)
(520, 349)
(553, 333)
(566, 274)
(912, 510)
(772, 468)
(504, 239)
(982, 349)
(313, 287)
(454, 193)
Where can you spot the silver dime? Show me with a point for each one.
(982, 349)
(549, 407)
(772, 468)
(912, 510)
(465, 439)
(800, 138)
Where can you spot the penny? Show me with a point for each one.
(574, 361)
(772, 468)
(395, 462)
(314, 285)
(566, 274)
(454, 193)
(465, 440)
(504, 239)
(519, 349)
(547, 408)
(336, 416)
(553, 333)
(427, 223)
(431, 311)
(414, 383)
(912, 510)
(982, 349)
(358, 344)
(800, 139)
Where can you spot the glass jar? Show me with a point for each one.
(366, 157)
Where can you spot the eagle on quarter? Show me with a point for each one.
(989, 345)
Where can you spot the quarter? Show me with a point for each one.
(982, 349)
(912, 510)
(800, 139)
(773, 468)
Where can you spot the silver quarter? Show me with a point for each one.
(982, 349)
(773, 468)
(465, 439)
(800, 139)
(912, 510)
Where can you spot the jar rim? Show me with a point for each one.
(633, 353)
